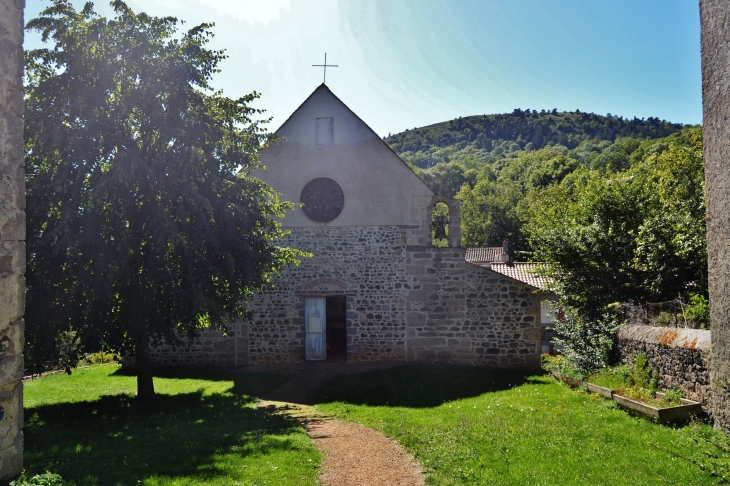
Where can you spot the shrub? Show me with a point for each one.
(560, 364)
(45, 479)
(671, 397)
(699, 310)
(664, 319)
(643, 376)
(588, 343)
(102, 357)
(69, 350)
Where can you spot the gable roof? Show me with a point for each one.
(524, 272)
(324, 87)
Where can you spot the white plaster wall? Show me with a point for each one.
(377, 184)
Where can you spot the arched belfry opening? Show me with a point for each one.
(445, 217)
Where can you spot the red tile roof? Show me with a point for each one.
(522, 271)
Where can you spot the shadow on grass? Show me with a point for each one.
(419, 386)
(119, 440)
(254, 384)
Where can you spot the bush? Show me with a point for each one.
(699, 310)
(560, 364)
(69, 350)
(588, 343)
(643, 376)
(664, 319)
(102, 357)
(45, 479)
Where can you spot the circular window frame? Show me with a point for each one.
(323, 199)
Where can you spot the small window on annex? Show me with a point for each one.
(325, 131)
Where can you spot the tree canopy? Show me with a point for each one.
(144, 217)
(617, 219)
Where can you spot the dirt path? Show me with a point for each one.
(353, 455)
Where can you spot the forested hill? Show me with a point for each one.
(485, 138)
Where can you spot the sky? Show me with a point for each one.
(411, 63)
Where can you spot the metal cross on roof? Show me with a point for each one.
(325, 66)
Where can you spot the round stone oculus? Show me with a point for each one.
(323, 199)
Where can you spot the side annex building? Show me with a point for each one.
(375, 288)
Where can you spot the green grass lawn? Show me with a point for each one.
(201, 429)
(475, 426)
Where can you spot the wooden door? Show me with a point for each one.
(315, 325)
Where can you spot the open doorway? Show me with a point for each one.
(336, 328)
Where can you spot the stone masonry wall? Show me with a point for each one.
(366, 264)
(404, 302)
(465, 313)
(211, 348)
(682, 356)
(12, 237)
(715, 42)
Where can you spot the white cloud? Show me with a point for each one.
(250, 11)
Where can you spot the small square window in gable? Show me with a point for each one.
(325, 131)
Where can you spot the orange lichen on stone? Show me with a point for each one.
(694, 344)
(668, 337)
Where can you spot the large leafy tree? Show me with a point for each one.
(144, 217)
(634, 235)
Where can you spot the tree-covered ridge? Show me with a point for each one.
(487, 138)
(617, 217)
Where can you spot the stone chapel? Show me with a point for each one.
(375, 288)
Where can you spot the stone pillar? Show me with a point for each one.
(715, 23)
(12, 237)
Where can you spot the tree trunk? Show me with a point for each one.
(145, 387)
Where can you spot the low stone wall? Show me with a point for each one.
(682, 356)
(211, 348)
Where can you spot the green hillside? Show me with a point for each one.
(614, 206)
(486, 138)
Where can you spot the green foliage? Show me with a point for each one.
(69, 350)
(560, 364)
(491, 137)
(489, 214)
(672, 396)
(638, 383)
(587, 342)
(144, 216)
(614, 377)
(664, 319)
(102, 357)
(615, 210)
(643, 375)
(636, 235)
(447, 179)
(45, 479)
(699, 310)
(203, 428)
